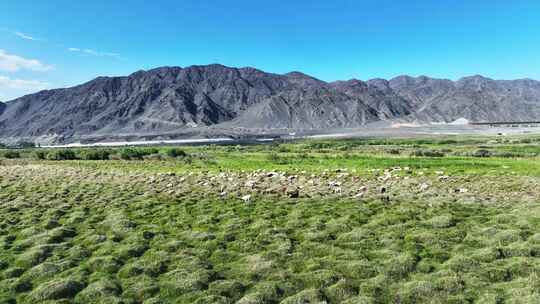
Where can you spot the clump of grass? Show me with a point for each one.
(56, 290)
(179, 281)
(132, 249)
(32, 257)
(129, 233)
(104, 290)
(42, 271)
(117, 226)
(441, 221)
(59, 234)
(227, 288)
(320, 278)
(277, 159)
(461, 263)
(399, 266)
(140, 288)
(341, 291)
(154, 262)
(417, 291)
(359, 300)
(104, 264)
(306, 296)
(131, 270)
(212, 299)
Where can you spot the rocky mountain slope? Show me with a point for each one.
(475, 98)
(172, 98)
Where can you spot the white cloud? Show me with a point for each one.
(20, 34)
(11, 88)
(90, 52)
(96, 53)
(20, 84)
(14, 63)
(25, 36)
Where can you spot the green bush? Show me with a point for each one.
(136, 153)
(447, 142)
(174, 152)
(40, 154)
(11, 154)
(482, 153)
(61, 154)
(130, 153)
(428, 153)
(510, 155)
(94, 154)
(318, 145)
(394, 151)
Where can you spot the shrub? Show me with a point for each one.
(95, 154)
(509, 155)
(447, 142)
(61, 154)
(40, 154)
(283, 149)
(11, 154)
(428, 153)
(131, 153)
(174, 152)
(136, 153)
(394, 151)
(319, 145)
(482, 153)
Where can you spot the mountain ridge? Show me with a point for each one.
(166, 99)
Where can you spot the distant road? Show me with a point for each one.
(404, 131)
(143, 143)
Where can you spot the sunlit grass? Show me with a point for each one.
(160, 230)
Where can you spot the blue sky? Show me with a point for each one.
(58, 43)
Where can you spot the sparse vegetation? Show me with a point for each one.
(307, 222)
(11, 154)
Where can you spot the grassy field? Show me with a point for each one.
(447, 220)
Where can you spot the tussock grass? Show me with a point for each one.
(161, 230)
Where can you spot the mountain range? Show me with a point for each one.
(170, 99)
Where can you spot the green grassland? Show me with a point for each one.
(433, 220)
